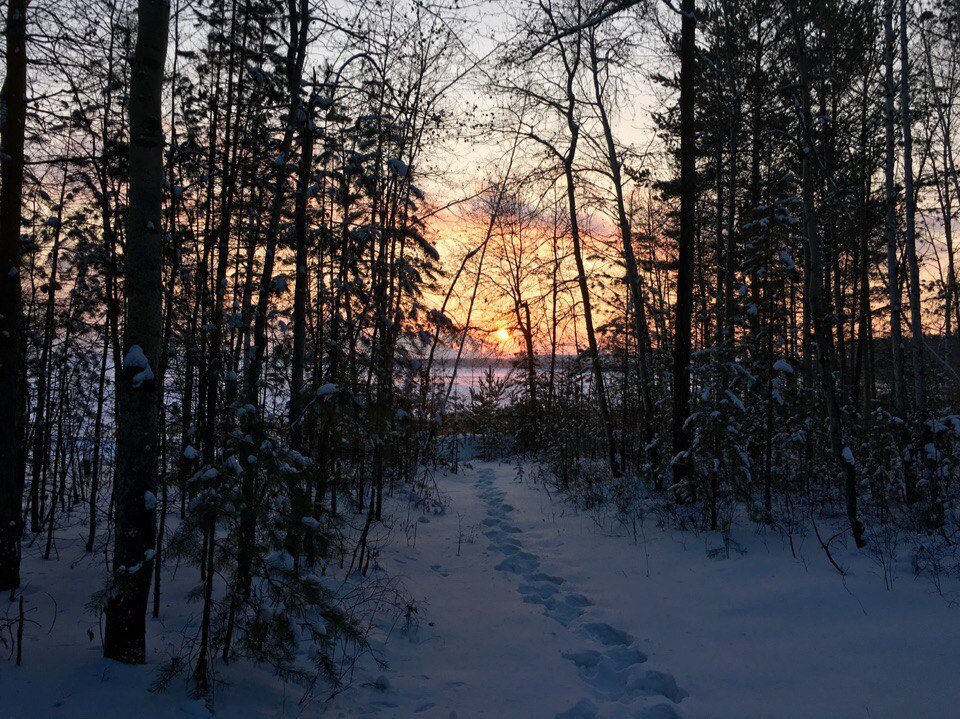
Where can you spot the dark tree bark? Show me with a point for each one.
(12, 383)
(138, 424)
(682, 339)
(97, 439)
(298, 491)
(571, 66)
(910, 232)
(893, 262)
(634, 280)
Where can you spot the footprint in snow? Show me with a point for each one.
(586, 709)
(613, 672)
(605, 634)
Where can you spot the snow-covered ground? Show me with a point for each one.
(527, 608)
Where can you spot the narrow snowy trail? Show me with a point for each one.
(529, 608)
(504, 628)
(524, 607)
(610, 663)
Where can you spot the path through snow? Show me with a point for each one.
(527, 608)
(531, 609)
(610, 664)
(506, 631)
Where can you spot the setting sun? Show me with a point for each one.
(503, 335)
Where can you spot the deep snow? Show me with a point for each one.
(528, 608)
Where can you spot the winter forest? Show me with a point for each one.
(560, 359)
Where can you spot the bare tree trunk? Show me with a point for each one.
(568, 159)
(893, 261)
(950, 291)
(863, 371)
(138, 430)
(301, 284)
(97, 441)
(298, 493)
(917, 344)
(910, 234)
(634, 280)
(169, 305)
(595, 363)
(554, 292)
(12, 380)
(521, 311)
(682, 340)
